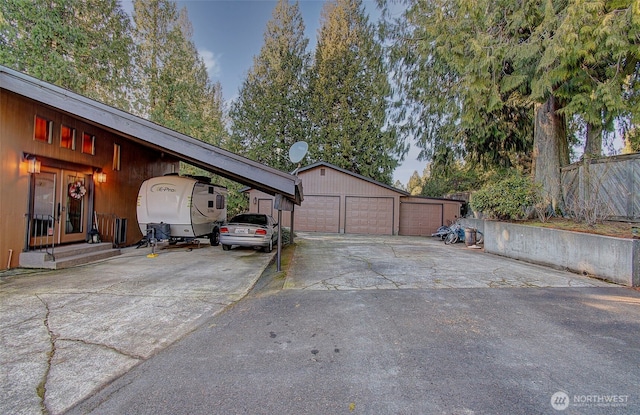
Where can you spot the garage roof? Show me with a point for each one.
(359, 176)
(331, 166)
(149, 134)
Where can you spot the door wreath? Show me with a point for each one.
(77, 190)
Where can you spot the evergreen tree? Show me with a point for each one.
(63, 43)
(153, 22)
(457, 95)
(414, 185)
(590, 64)
(180, 93)
(271, 112)
(398, 185)
(477, 76)
(632, 142)
(106, 60)
(349, 96)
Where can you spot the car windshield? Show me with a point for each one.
(251, 219)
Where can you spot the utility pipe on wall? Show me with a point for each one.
(9, 261)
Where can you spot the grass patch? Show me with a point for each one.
(272, 279)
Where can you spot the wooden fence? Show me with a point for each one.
(611, 184)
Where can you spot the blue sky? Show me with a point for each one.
(229, 33)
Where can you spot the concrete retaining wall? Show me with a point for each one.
(613, 259)
(472, 223)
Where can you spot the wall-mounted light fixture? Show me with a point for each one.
(255, 200)
(33, 164)
(101, 177)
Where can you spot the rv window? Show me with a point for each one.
(210, 190)
(210, 204)
(219, 202)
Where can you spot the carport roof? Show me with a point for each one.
(149, 134)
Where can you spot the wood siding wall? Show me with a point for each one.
(117, 196)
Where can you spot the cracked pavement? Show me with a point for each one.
(386, 262)
(64, 334)
(397, 325)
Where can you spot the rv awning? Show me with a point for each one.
(147, 133)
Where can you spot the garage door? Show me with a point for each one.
(418, 219)
(318, 214)
(369, 215)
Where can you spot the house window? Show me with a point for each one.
(42, 130)
(323, 172)
(116, 157)
(68, 137)
(88, 143)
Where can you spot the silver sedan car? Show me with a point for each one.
(250, 229)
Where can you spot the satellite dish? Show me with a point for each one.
(297, 151)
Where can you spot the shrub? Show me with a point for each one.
(511, 198)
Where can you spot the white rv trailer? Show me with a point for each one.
(179, 208)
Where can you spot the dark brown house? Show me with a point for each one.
(69, 162)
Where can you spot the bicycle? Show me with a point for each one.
(455, 235)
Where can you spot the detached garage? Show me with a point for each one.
(339, 201)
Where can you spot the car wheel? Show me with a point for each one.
(226, 247)
(269, 248)
(214, 237)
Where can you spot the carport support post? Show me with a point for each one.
(281, 204)
(279, 239)
(293, 210)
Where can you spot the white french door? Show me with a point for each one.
(60, 206)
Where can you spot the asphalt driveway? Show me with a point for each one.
(472, 351)
(360, 325)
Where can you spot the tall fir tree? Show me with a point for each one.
(271, 112)
(349, 96)
(591, 63)
(63, 42)
(455, 86)
(153, 22)
(180, 94)
(480, 75)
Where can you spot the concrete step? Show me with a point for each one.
(68, 256)
(73, 261)
(65, 251)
